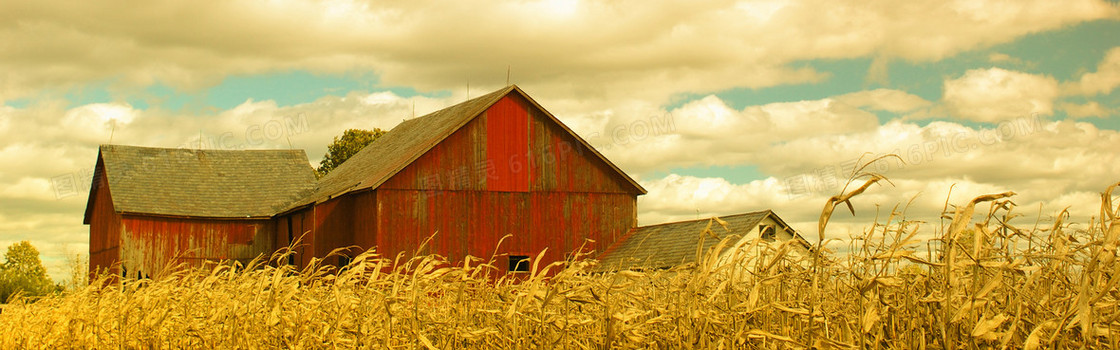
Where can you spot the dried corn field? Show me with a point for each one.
(984, 282)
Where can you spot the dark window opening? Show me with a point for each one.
(767, 232)
(291, 255)
(518, 263)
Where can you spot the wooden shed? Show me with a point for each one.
(668, 245)
(150, 207)
(470, 174)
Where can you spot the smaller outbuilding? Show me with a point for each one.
(668, 245)
(150, 208)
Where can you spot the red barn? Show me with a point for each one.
(495, 165)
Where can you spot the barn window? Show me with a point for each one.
(518, 263)
(766, 232)
(291, 238)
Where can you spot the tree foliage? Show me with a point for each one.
(22, 271)
(345, 146)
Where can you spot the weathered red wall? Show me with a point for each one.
(104, 229)
(472, 222)
(507, 144)
(334, 222)
(149, 244)
(365, 220)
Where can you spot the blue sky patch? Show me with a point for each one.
(1066, 53)
(18, 103)
(286, 88)
(735, 174)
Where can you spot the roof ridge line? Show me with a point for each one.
(707, 218)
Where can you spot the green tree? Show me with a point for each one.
(23, 271)
(342, 148)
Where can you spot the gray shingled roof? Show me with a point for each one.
(396, 149)
(672, 244)
(205, 183)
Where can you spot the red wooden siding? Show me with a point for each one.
(365, 220)
(104, 229)
(285, 233)
(334, 225)
(507, 145)
(562, 163)
(472, 222)
(565, 222)
(149, 244)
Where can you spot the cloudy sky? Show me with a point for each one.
(716, 107)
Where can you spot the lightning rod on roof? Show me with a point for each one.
(199, 139)
(508, 68)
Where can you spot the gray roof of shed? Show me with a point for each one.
(203, 183)
(672, 244)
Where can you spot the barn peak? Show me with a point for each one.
(404, 144)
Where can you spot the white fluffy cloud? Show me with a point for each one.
(996, 94)
(999, 57)
(1088, 109)
(589, 50)
(708, 132)
(889, 100)
(1102, 81)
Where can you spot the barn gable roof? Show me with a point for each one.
(408, 141)
(672, 244)
(202, 183)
